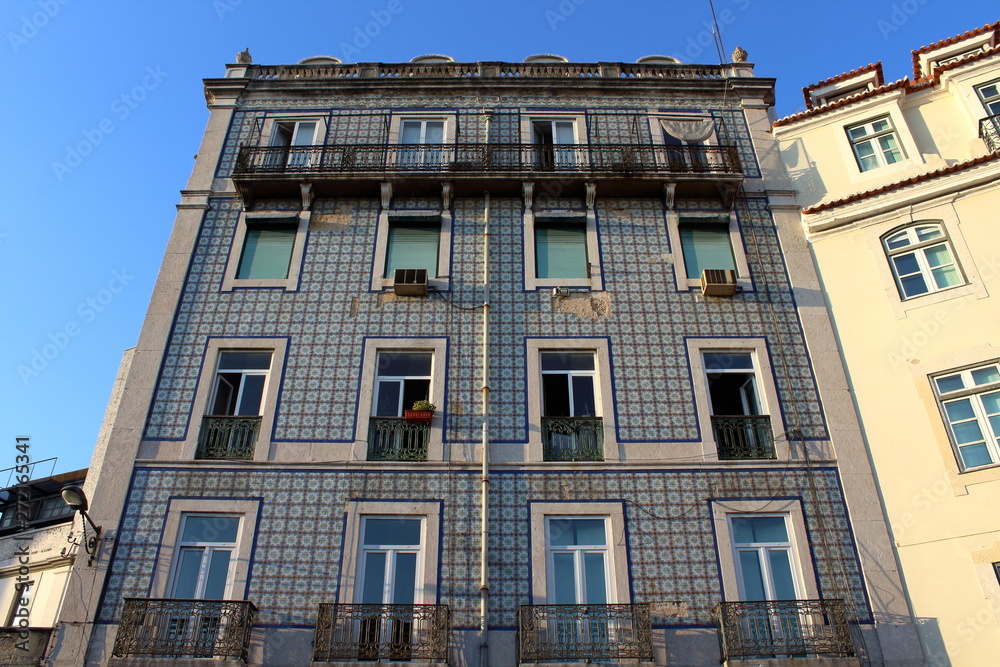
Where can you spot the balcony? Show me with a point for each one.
(583, 633)
(636, 169)
(185, 628)
(743, 437)
(23, 647)
(228, 438)
(989, 131)
(573, 438)
(785, 628)
(396, 632)
(394, 439)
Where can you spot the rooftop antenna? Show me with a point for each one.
(717, 34)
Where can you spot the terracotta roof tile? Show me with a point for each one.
(899, 184)
(995, 27)
(876, 67)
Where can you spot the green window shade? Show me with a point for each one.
(560, 250)
(412, 246)
(267, 252)
(706, 246)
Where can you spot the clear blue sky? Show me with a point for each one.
(104, 112)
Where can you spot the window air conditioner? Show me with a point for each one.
(410, 282)
(718, 282)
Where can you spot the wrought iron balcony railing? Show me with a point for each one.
(585, 632)
(573, 438)
(23, 647)
(487, 158)
(989, 131)
(223, 437)
(783, 628)
(185, 628)
(743, 436)
(394, 439)
(397, 632)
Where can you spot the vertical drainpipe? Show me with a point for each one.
(484, 580)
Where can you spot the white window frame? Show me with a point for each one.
(578, 551)
(429, 511)
(803, 572)
(991, 101)
(603, 391)
(297, 220)
(363, 412)
(918, 249)
(579, 121)
(767, 392)
(674, 219)
(167, 559)
(532, 283)
(391, 551)
(401, 407)
(974, 394)
(441, 282)
(202, 403)
(872, 137)
(269, 126)
(617, 554)
(209, 548)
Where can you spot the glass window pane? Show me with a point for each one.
(304, 133)
(373, 587)
(577, 532)
(865, 150)
(221, 529)
(950, 383)
(753, 578)
(404, 364)
(967, 432)
(937, 255)
(900, 240)
(395, 532)
(404, 582)
(567, 361)
(988, 375)
(412, 246)
(928, 233)
(880, 125)
(267, 253)
(218, 575)
(560, 250)
(253, 393)
(720, 361)
(946, 276)
(244, 361)
(410, 133)
(975, 455)
(435, 132)
(991, 402)
(706, 246)
(595, 582)
(186, 583)
(913, 285)
(387, 400)
(781, 574)
(906, 264)
(757, 529)
(959, 410)
(857, 132)
(584, 402)
(564, 578)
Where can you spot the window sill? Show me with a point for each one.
(902, 307)
(288, 284)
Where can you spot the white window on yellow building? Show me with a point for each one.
(922, 260)
(970, 401)
(990, 95)
(875, 143)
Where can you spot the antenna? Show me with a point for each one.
(720, 49)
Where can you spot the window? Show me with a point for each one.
(921, 259)
(740, 425)
(561, 249)
(875, 143)
(706, 244)
(989, 94)
(572, 429)
(413, 244)
(577, 560)
(554, 143)
(682, 138)
(390, 560)
(420, 142)
(203, 565)
(764, 557)
(239, 383)
(293, 141)
(970, 402)
(267, 250)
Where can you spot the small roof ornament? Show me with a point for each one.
(739, 55)
(243, 57)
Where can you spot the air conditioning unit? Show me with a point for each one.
(410, 282)
(718, 282)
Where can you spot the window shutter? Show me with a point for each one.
(560, 250)
(267, 252)
(412, 246)
(706, 246)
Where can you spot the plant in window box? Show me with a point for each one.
(421, 413)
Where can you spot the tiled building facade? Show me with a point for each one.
(653, 450)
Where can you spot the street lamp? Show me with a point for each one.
(74, 496)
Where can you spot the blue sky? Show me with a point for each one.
(105, 111)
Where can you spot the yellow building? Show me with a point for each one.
(899, 188)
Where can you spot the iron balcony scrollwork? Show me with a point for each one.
(397, 632)
(783, 628)
(743, 436)
(226, 437)
(573, 438)
(576, 633)
(394, 439)
(989, 131)
(185, 628)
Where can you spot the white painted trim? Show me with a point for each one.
(531, 282)
(230, 281)
(681, 281)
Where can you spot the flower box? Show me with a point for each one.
(418, 416)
